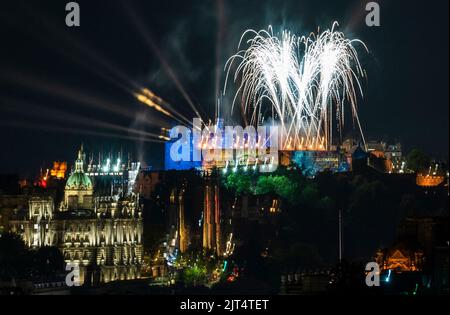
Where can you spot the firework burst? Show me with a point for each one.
(301, 83)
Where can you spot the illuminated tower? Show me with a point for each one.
(177, 218)
(207, 218)
(184, 237)
(217, 215)
(212, 239)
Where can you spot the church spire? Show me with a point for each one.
(79, 163)
(81, 152)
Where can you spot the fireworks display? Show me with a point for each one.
(301, 83)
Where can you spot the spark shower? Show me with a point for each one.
(303, 84)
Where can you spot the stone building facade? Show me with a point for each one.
(101, 234)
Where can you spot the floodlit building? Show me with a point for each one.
(59, 170)
(212, 234)
(386, 158)
(97, 230)
(429, 180)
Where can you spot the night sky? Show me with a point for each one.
(62, 86)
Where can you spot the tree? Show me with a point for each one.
(240, 183)
(417, 160)
(310, 194)
(284, 187)
(326, 203)
(264, 185)
(295, 254)
(15, 257)
(48, 261)
(195, 275)
(280, 185)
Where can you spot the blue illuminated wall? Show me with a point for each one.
(313, 162)
(169, 164)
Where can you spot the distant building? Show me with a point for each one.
(376, 146)
(400, 258)
(9, 205)
(394, 153)
(378, 161)
(59, 170)
(358, 159)
(305, 283)
(429, 180)
(435, 176)
(386, 158)
(421, 249)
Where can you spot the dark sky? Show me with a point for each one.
(61, 86)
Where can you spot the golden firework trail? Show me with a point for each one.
(302, 82)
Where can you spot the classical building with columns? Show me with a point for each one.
(99, 231)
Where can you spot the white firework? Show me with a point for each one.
(299, 82)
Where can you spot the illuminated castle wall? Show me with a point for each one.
(313, 162)
(170, 164)
(97, 231)
(429, 180)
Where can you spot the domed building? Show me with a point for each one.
(98, 229)
(79, 189)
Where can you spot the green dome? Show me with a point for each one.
(79, 180)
